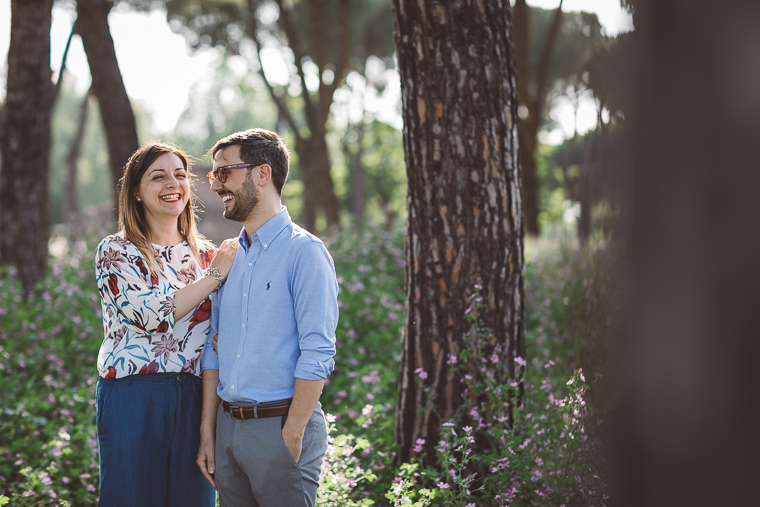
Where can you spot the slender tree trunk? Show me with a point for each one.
(310, 187)
(457, 69)
(72, 199)
(319, 164)
(687, 420)
(318, 192)
(25, 142)
(584, 194)
(63, 61)
(534, 100)
(314, 158)
(108, 86)
(356, 174)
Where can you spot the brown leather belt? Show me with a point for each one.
(258, 411)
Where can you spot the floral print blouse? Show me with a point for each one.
(141, 335)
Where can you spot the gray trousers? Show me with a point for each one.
(255, 469)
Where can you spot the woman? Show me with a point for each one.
(154, 277)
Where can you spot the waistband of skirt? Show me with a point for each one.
(174, 377)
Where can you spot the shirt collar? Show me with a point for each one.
(269, 231)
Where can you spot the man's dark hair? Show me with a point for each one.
(260, 146)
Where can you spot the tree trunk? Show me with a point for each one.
(108, 86)
(686, 431)
(528, 141)
(318, 191)
(313, 155)
(72, 200)
(319, 164)
(310, 188)
(534, 101)
(457, 69)
(356, 174)
(25, 143)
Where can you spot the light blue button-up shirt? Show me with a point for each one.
(276, 315)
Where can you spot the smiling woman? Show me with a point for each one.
(164, 192)
(154, 278)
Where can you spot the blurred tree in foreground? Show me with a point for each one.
(25, 142)
(687, 356)
(464, 208)
(320, 42)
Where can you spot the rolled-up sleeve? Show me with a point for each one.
(210, 359)
(315, 300)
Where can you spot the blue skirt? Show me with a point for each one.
(148, 438)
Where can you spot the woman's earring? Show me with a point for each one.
(139, 200)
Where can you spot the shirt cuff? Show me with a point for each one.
(210, 359)
(313, 369)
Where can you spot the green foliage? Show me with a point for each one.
(382, 161)
(341, 471)
(403, 493)
(48, 347)
(551, 451)
(214, 110)
(362, 390)
(221, 23)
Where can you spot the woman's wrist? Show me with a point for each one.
(216, 273)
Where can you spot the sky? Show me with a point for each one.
(162, 81)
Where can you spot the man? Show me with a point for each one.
(275, 316)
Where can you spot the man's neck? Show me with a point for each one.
(263, 213)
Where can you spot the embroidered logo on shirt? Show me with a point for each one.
(268, 284)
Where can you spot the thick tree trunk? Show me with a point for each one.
(25, 143)
(72, 199)
(107, 85)
(457, 69)
(687, 424)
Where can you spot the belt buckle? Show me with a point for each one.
(236, 412)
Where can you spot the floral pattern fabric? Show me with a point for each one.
(141, 335)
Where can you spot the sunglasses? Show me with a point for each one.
(224, 172)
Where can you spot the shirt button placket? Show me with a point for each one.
(246, 283)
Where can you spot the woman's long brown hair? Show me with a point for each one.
(132, 222)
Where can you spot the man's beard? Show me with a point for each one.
(245, 201)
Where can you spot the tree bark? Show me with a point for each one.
(465, 220)
(108, 86)
(25, 143)
(72, 199)
(686, 425)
